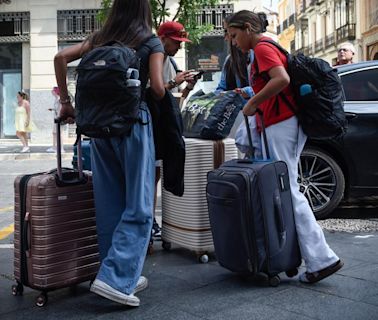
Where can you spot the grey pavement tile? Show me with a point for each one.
(372, 299)
(150, 312)
(366, 271)
(183, 264)
(340, 285)
(319, 305)
(11, 303)
(255, 311)
(218, 297)
(161, 287)
(60, 304)
(351, 245)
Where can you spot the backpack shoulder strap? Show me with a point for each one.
(276, 45)
(266, 77)
(174, 64)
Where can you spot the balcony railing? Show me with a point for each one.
(319, 45)
(305, 50)
(214, 15)
(346, 32)
(14, 27)
(329, 40)
(77, 24)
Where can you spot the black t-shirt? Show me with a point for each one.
(151, 46)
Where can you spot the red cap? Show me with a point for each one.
(173, 30)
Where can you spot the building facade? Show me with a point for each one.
(286, 26)
(369, 29)
(32, 32)
(320, 26)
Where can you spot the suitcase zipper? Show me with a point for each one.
(23, 242)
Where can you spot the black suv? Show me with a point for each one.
(330, 171)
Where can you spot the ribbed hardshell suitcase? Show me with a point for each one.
(55, 239)
(252, 219)
(185, 220)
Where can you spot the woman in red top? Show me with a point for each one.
(286, 139)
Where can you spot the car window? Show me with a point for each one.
(361, 85)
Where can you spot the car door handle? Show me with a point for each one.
(350, 115)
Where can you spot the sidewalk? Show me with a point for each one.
(182, 288)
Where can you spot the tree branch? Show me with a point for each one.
(178, 10)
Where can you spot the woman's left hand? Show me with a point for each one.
(249, 109)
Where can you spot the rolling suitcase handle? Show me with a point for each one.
(69, 178)
(252, 148)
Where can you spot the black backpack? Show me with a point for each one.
(319, 96)
(108, 91)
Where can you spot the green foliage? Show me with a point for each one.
(105, 6)
(185, 13)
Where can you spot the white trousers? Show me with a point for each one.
(286, 141)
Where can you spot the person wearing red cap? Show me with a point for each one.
(172, 34)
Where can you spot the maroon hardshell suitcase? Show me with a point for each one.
(55, 240)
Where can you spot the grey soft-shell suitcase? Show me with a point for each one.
(55, 239)
(251, 217)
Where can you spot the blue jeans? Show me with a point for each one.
(123, 179)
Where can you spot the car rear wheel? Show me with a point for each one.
(321, 180)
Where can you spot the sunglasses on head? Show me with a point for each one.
(181, 34)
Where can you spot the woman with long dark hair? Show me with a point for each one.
(285, 136)
(123, 167)
(235, 68)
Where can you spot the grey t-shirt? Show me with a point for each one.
(169, 72)
(151, 46)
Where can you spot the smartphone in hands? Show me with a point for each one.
(197, 74)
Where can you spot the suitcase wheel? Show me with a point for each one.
(41, 299)
(166, 245)
(274, 281)
(292, 273)
(17, 289)
(203, 258)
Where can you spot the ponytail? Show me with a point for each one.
(263, 20)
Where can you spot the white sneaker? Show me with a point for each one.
(101, 288)
(141, 284)
(25, 149)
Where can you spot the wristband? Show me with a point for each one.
(173, 83)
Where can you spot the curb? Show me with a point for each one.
(34, 156)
